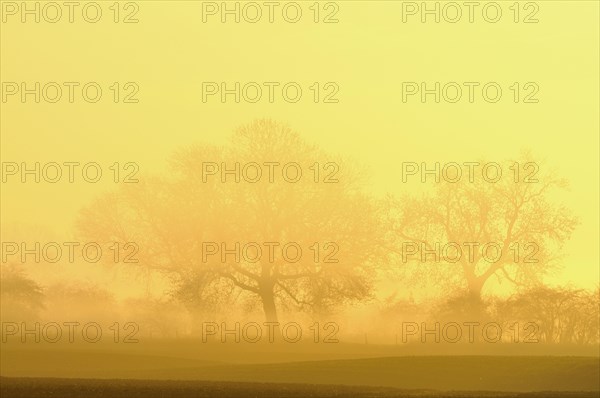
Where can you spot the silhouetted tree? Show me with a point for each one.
(563, 314)
(176, 220)
(22, 298)
(514, 213)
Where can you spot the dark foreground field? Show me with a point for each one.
(183, 369)
(440, 373)
(92, 388)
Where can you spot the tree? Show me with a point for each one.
(82, 301)
(513, 216)
(22, 298)
(304, 234)
(562, 314)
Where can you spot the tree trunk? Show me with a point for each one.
(474, 284)
(268, 301)
(475, 291)
(474, 296)
(266, 286)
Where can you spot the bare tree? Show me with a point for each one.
(563, 314)
(303, 232)
(22, 297)
(522, 228)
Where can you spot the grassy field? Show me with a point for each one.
(92, 388)
(443, 373)
(295, 370)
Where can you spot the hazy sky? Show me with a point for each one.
(170, 52)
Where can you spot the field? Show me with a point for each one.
(190, 369)
(68, 388)
(76, 372)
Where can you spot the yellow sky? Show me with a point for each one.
(368, 54)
